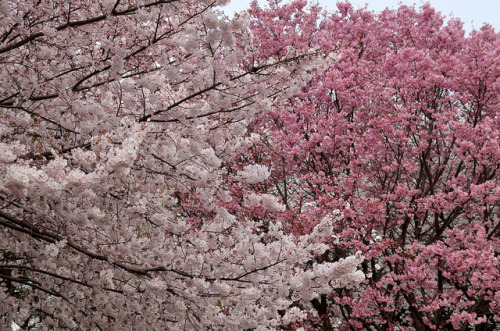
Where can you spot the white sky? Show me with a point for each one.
(472, 12)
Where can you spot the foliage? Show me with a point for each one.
(164, 167)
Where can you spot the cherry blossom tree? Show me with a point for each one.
(401, 134)
(119, 121)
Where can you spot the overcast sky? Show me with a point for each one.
(472, 12)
